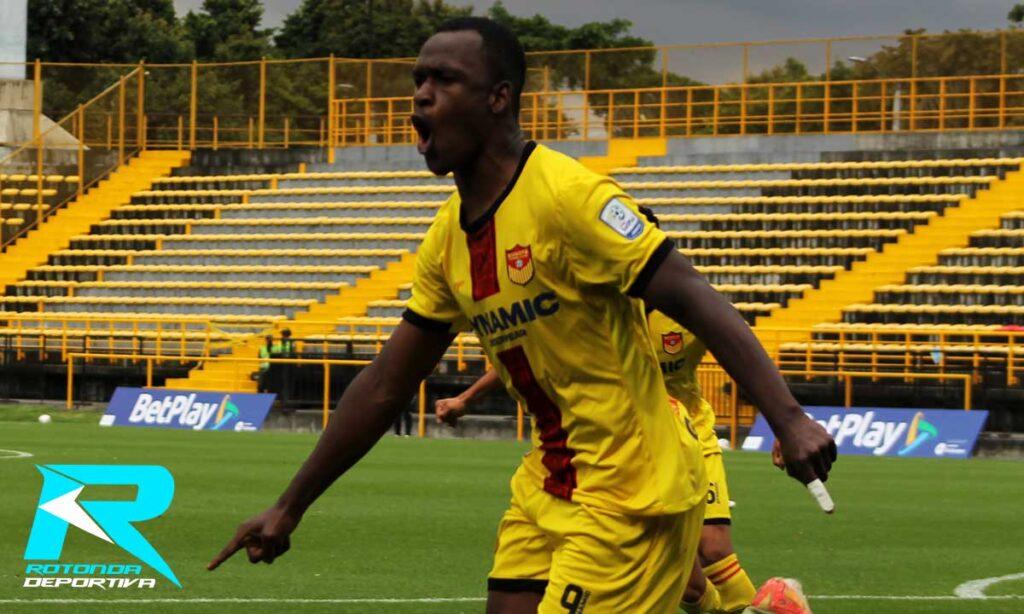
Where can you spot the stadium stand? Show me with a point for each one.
(304, 248)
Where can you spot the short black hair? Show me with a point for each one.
(505, 56)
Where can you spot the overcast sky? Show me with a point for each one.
(703, 21)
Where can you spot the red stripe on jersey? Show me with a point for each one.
(483, 261)
(554, 439)
(723, 580)
(724, 574)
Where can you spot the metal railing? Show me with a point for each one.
(59, 163)
(904, 351)
(35, 335)
(717, 386)
(151, 360)
(993, 102)
(580, 94)
(907, 350)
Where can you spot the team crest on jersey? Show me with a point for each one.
(672, 343)
(519, 261)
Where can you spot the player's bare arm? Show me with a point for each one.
(680, 292)
(366, 410)
(448, 411)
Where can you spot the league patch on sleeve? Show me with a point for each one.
(621, 219)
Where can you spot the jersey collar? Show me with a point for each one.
(486, 217)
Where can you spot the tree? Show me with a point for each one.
(228, 31)
(1016, 14)
(362, 28)
(104, 31)
(98, 31)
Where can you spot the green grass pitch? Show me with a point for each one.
(415, 521)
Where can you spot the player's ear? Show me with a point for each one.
(501, 97)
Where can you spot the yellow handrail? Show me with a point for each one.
(325, 362)
(982, 102)
(903, 350)
(712, 378)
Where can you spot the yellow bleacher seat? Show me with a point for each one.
(816, 166)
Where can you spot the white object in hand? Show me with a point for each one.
(44, 418)
(820, 494)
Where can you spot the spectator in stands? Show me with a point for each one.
(262, 376)
(286, 371)
(287, 347)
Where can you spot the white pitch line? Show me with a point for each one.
(975, 589)
(299, 600)
(5, 454)
(912, 598)
(427, 600)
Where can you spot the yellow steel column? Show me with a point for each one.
(853, 109)
(366, 104)
(826, 103)
(664, 84)
(331, 117)
(37, 113)
(81, 150)
(743, 108)
(140, 110)
(422, 402)
(942, 106)
(69, 404)
(37, 96)
(120, 122)
(586, 70)
(193, 96)
(263, 101)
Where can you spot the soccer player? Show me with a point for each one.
(544, 259)
(679, 354)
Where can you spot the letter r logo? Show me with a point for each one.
(110, 521)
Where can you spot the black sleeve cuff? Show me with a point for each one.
(435, 326)
(639, 284)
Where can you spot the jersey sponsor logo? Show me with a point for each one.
(517, 314)
(519, 262)
(621, 219)
(672, 366)
(672, 342)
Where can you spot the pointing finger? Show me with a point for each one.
(233, 546)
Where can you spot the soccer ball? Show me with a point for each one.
(779, 596)
(44, 418)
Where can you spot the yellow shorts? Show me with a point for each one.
(582, 559)
(717, 510)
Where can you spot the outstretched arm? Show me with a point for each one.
(366, 410)
(680, 292)
(450, 410)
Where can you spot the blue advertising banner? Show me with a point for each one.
(197, 410)
(880, 431)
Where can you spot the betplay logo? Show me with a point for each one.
(111, 521)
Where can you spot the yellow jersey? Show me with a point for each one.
(680, 352)
(545, 279)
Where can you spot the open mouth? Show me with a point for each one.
(423, 129)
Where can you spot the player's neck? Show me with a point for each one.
(483, 181)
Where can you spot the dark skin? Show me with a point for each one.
(468, 127)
